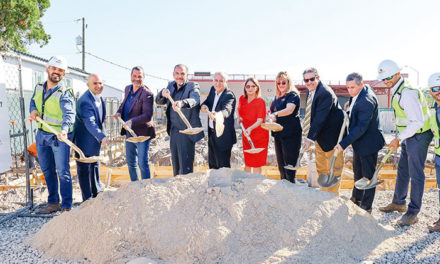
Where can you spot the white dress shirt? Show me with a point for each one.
(214, 105)
(98, 104)
(409, 101)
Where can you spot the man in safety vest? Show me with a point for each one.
(54, 103)
(434, 90)
(414, 135)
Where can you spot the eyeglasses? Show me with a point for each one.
(310, 80)
(435, 89)
(388, 78)
(282, 83)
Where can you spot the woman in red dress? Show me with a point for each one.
(252, 112)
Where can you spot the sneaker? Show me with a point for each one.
(408, 219)
(435, 227)
(393, 207)
(48, 209)
(65, 210)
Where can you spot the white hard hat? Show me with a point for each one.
(387, 68)
(58, 61)
(434, 80)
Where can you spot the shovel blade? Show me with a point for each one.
(138, 139)
(254, 150)
(92, 159)
(290, 167)
(192, 131)
(327, 181)
(366, 184)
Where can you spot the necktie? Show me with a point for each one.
(307, 116)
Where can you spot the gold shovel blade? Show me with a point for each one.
(192, 131)
(254, 150)
(138, 139)
(91, 159)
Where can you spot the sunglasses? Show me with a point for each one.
(435, 89)
(250, 86)
(282, 83)
(388, 78)
(310, 80)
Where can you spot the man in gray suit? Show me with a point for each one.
(187, 99)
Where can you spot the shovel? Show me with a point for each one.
(272, 126)
(110, 166)
(298, 161)
(253, 149)
(219, 123)
(82, 157)
(190, 130)
(365, 183)
(134, 138)
(327, 181)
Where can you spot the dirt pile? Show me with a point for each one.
(217, 216)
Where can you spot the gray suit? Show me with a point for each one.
(182, 145)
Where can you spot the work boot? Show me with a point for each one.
(48, 209)
(65, 210)
(408, 219)
(393, 207)
(435, 227)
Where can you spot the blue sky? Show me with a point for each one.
(257, 37)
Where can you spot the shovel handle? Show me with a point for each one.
(65, 140)
(384, 159)
(179, 112)
(247, 136)
(127, 127)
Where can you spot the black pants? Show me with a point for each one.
(182, 153)
(287, 151)
(88, 177)
(216, 158)
(364, 166)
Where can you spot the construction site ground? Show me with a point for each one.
(413, 244)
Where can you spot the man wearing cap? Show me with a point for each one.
(186, 98)
(89, 135)
(414, 135)
(434, 90)
(322, 125)
(54, 103)
(220, 101)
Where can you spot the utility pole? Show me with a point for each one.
(83, 44)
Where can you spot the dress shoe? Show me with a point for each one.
(435, 227)
(408, 219)
(48, 209)
(65, 210)
(393, 207)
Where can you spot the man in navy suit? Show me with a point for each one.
(220, 101)
(89, 135)
(186, 98)
(322, 124)
(364, 135)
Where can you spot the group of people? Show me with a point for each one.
(323, 123)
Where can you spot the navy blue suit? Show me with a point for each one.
(88, 134)
(366, 139)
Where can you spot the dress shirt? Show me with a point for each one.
(312, 95)
(214, 105)
(409, 101)
(98, 103)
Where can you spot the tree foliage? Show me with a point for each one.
(20, 24)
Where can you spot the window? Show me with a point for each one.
(37, 77)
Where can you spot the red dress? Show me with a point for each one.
(250, 112)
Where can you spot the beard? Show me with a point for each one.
(55, 78)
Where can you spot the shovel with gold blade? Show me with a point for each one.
(190, 130)
(365, 183)
(219, 123)
(252, 150)
(82, 157)
(134, 138)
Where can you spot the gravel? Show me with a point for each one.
(413, 244)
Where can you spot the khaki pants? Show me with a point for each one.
(324, 162)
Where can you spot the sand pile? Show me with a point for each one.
(218, 216)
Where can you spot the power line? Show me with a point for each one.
(123, 67)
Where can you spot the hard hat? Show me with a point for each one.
(434, 80)
(58, 61)
(387, 68)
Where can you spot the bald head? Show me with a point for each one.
(94, 83)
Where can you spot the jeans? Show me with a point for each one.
(137, 153)
(411, 168)
(437, 172)
(54, 157)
